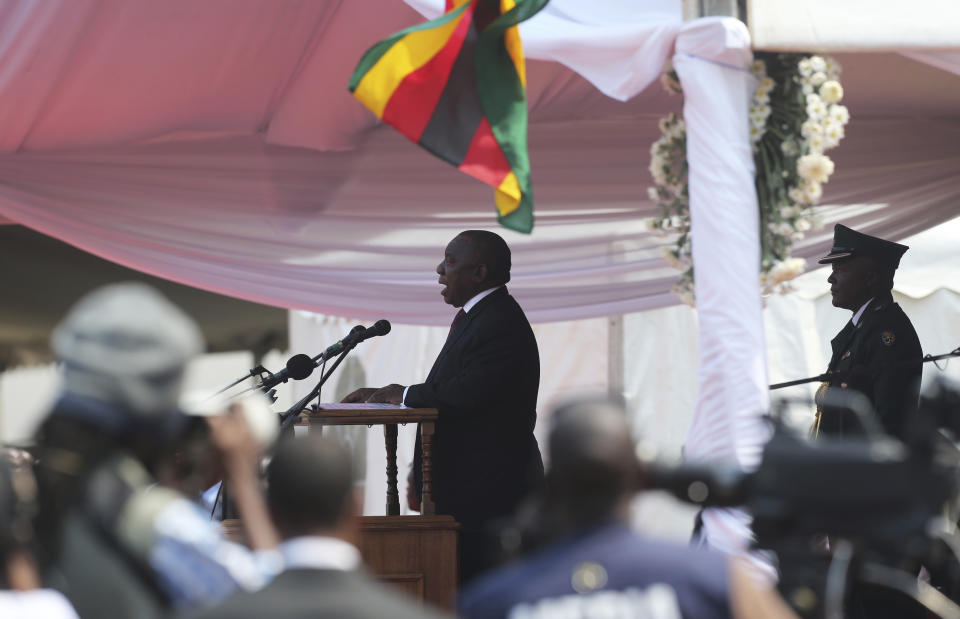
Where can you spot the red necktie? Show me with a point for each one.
(459, 318)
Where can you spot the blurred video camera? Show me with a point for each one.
(843, 514)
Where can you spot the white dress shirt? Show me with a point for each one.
(856, 317)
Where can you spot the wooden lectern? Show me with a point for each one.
(416, 553)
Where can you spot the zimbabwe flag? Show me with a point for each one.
(457, 87)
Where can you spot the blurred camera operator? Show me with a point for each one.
(114, 541)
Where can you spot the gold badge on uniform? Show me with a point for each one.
(888, 338)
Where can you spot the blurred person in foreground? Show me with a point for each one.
(585, 561)
(115, 542)
(310, 497)
(21, 594)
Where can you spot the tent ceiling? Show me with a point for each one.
(42, 277)
(236, 161)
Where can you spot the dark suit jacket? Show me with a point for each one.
(874, 352)
(484, 384)
(312, 593)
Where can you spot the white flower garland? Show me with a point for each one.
(795, 117)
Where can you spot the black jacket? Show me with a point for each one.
(876, 355)
(484, 384)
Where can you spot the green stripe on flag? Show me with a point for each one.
(504, 102)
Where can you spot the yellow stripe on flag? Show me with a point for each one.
(406, 56)
(508, 195)
(511, 39)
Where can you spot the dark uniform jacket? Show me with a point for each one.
(876, 352)
(484, 384)
(607, 571)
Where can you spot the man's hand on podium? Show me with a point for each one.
(360, 395)
(391, 394)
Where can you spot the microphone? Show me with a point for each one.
(357, 334)
(298, 367)
(339, 346)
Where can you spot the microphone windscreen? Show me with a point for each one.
(299, 367)
(381, 327)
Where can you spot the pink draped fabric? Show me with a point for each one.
(214, 143)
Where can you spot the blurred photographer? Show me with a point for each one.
(20, 592)
(583, 560)
(114, 541)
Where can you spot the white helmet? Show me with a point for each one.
(126, 346)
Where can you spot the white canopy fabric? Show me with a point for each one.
(235, 160)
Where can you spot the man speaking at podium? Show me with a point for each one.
(484, 384)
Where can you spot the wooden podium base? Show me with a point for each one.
(418, 554)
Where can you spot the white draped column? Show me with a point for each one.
(713, 59)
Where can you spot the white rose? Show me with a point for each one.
(816, 144)
(813, 98)
(812, 192)
(758, 68)
(816, 110)
(815, 168)
(801, 224)
(832, 67)
(818, 78)
(833, 130)
(804, 67)
(840, 114)
(831, 91)
(807, 88)
(761, 97)
(766, 84)
(756, 133)
(811, 128)
(795, 194)
(817, 63)
(657, 171)
(789, 211)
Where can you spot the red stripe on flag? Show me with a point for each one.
(484, 160)
(412, 103)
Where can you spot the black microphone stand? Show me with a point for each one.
(254, 371)
(289, 417)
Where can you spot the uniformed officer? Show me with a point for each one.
(877, 353)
